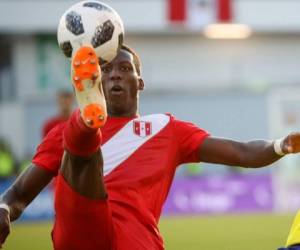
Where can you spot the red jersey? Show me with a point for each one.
(51, 123)
(140, 158)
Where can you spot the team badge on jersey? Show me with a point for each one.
(142, 128)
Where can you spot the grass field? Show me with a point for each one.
(234, 232)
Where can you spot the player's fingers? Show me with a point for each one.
(295, 137)
(290, 149)
(285, 145)
(294, 141)
(289, 144)
(1, 242)
(4, 232)
(3, 237)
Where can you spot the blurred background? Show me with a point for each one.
(229, 66)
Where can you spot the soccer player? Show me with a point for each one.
(114, 169)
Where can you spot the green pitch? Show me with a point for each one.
(236, 232)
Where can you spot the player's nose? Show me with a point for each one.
(115, 74)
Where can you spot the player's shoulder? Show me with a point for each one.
(56, 132)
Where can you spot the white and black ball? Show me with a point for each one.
(91, 23)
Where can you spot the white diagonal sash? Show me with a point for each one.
(124, 143)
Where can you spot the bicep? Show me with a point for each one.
(221, 151)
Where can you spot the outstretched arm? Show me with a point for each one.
(27, 186)
(255, 154)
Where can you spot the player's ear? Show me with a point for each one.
(141, 84)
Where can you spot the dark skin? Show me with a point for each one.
(121, 85)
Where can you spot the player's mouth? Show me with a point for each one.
(116, 90)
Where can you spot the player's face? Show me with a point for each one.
(121, 85)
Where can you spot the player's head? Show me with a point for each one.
(65, 100)
(136, 58)
(122, 82)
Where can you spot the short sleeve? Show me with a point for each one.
(49, 153)
(189, 138)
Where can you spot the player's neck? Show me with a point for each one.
(129, 114)
(130, 111)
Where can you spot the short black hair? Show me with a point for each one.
(136, 58)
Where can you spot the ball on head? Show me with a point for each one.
(94, 24)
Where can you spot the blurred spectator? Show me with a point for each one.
(65, 101)
(7, 162)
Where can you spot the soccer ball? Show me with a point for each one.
(91, 23)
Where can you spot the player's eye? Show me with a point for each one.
(125, 68)
(105, 69)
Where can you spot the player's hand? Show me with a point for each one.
(4, 226)
(291, 143)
